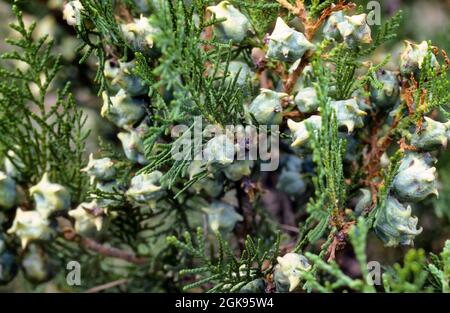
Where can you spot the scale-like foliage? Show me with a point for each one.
(225, 272)
(149, 222)
(42, 128)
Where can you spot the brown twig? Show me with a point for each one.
(371, 164)
(446, 59)
(294, 115)
(301, 11)
(93, 245)
(290, 228)
(312, 27)
(407, 93)
(208, 33)
(404, 146)
(124, 13)
(245, 193)
(107, 286)
(264, 81)
(292, 79)
(90, 244)
(339, 240)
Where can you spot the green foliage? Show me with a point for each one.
(328, 151)
(185, 62)
(182, 71)
(387, 32)
(262, 14)
(347, 61)
(156, 244)
(43, 130)
(100, 32)
(339, 280)
(226, 272)
(440, 268)
(410, 277)
(387, 185)
(436, 84)
(430, 92)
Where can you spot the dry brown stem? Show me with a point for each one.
(90, 244)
